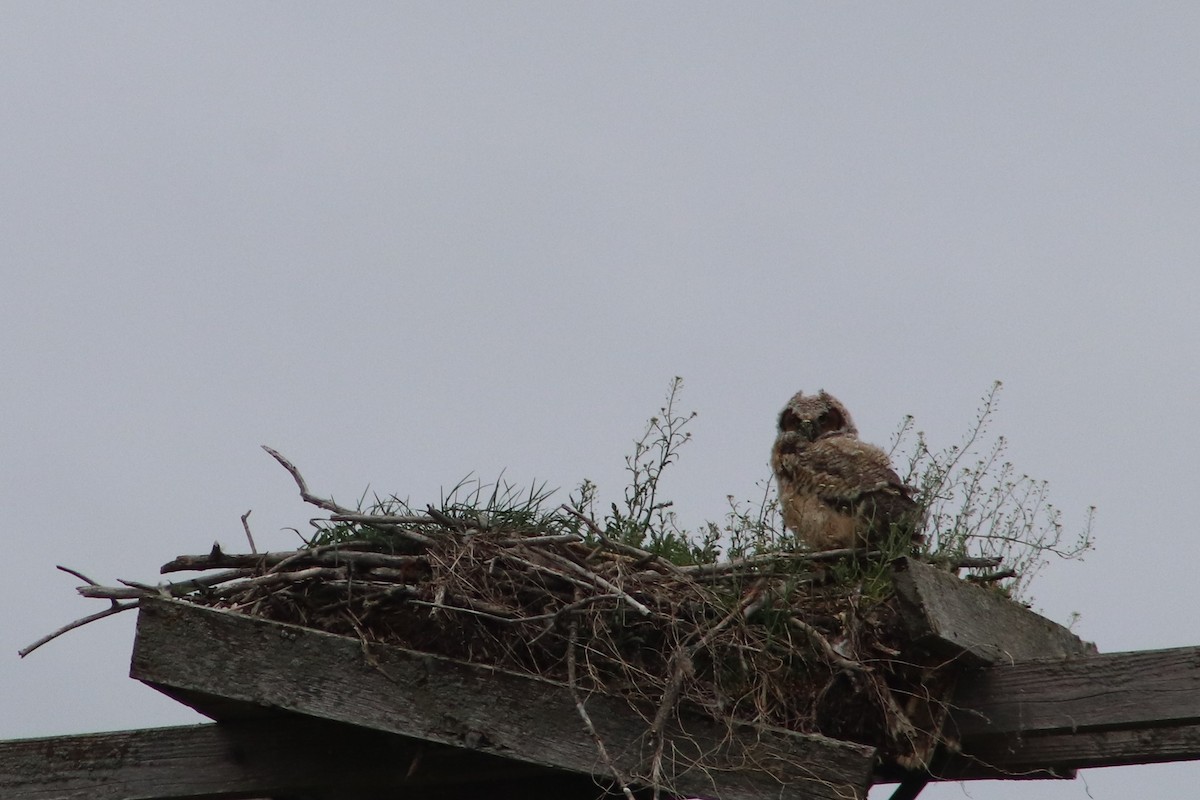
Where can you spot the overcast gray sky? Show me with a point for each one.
(404, 242)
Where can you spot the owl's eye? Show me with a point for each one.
(789, 422)
(831, 420)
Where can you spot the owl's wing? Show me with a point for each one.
(857, 478)
(846, 470)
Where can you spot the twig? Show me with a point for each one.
(587, 720)
(133, 590)
(77, 574)
(550, 538)
(115, 608)
(218, 559)
(598, 581)
(205, 581)
(371, 560)
(305, 495)
(542, 568)
(391, 530)
(363, 590)
(500, 614)
(898, 723)
(330, 575)
(335, 557)
(415, 536)
(977, 562)
(447, 521)
(113, 593)
(383, 519)
(619, 547)
(682, 666)
(832, 656)
(484, 614)
(772, 559)
(989, 577)
(365, 644)
(278, 578)
(390, 524)
(578, 604)
(146, 588)
(755, 599)
(246, 528)
(315, 555)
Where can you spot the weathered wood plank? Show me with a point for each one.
(956, 618)
(284, 754)
(1050, 716)
(1047, 704)
(1019, 755)
(190, 652)
(1141, 689)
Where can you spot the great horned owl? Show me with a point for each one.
(835, 491)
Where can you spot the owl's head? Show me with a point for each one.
(812, 417)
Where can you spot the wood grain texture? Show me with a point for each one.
(1141, 689)
(197, 654)
(1084, 749)
(281, 755)
(979, 625)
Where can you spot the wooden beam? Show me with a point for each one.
(957, 621)
(1044, 703)
(228, 665)
(273, 756)
(1140, 689)
(1069, 751)
(955, 618)
(1104, 710)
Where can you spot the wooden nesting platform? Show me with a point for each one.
(303, 713)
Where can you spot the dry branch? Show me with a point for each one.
(617, 547)
(332, 557)
(133, 590)
(305, 495)
(383, 519)
(115, 608)
(246, 528)
(573, 683)
(774, 561)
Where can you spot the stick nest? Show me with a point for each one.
(766, 641)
